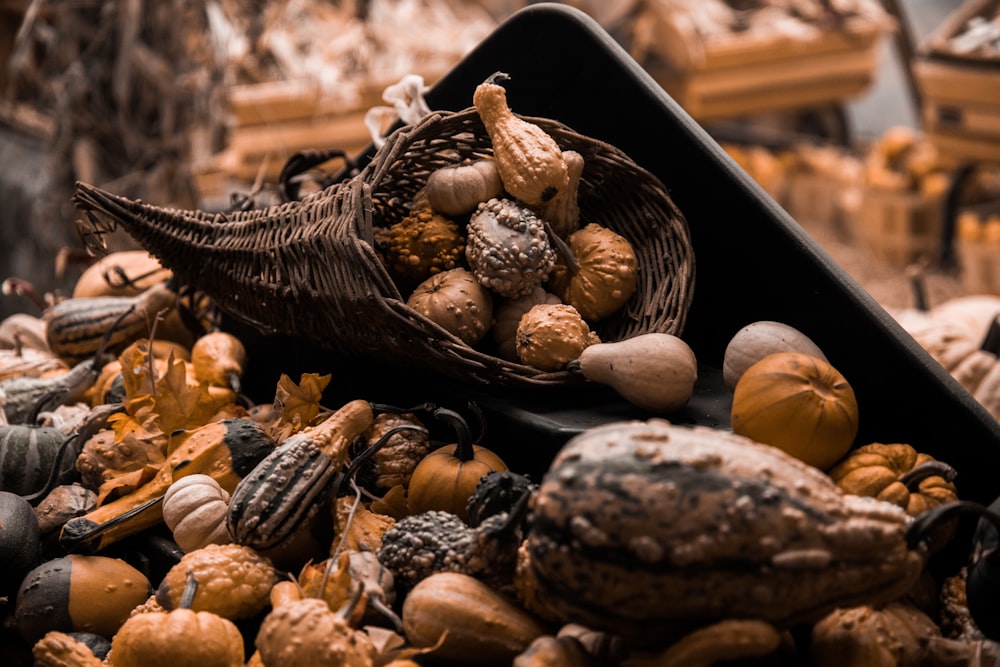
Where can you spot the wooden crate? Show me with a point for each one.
(271, 121)
(960, 94)
(746, 73)
(977, 248)
(899, 227)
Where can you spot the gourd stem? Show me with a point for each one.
(190, 590)
(911, 478)
(563, 249)
(368, 452)
(379, 408)
(123, 278)
(96, 420)
(463, 434)
(927, 521)
(991, 341)
(24, 288)
(497, 78)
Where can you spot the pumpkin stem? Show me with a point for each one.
(464, 442)
(928, 520)
(991, 341)
(912, 478)
(190, 590)
(918, 286)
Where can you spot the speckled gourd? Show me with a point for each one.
(643, 527)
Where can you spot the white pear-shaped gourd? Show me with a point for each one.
(654, 371)
(759, 339)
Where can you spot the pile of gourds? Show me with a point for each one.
(296, 533)
(370, 535)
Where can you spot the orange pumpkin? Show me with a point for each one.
(898, 474)
(446, 478)
(798, 403)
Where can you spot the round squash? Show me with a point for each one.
(180, 638)
(549, 336)
(798, 403)
(604, 276)
(455, 301)
(445, 479)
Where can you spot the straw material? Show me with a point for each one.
(309, 268)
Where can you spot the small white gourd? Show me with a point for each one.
(194, 509)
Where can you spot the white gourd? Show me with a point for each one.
(194, 509)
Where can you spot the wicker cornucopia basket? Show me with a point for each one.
(309, 268)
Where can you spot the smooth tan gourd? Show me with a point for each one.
(654, 371)
(759, 339)
(478, 624)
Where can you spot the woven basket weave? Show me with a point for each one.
(309, 268)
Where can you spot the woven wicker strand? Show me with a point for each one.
(309, 268)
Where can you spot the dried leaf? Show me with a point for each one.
(392, 504)
(364, 529)
(181, 405)
(337, 591)
(299, 404)
(391, 646)
(125, 483)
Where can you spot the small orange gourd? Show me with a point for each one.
(179, 638)
(604, 273)
(445, 479)
(896, 473)
(798, 403)
(549, 336)
(219, 359)
(530, 162)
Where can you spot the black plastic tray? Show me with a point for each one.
(753, 262)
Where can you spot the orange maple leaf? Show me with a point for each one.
(298, 404)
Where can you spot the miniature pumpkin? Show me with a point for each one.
(28, 456)
(798, 403)
(179, 638)
(458, 189)
(447, 477)
(898, 474)
(122, 273)
(457, 302)
(194, 509)
(602, 275)
(654, 371)
(508, 314)
(473, 622)
(529, 160)
(549, 336)
(759, 339)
